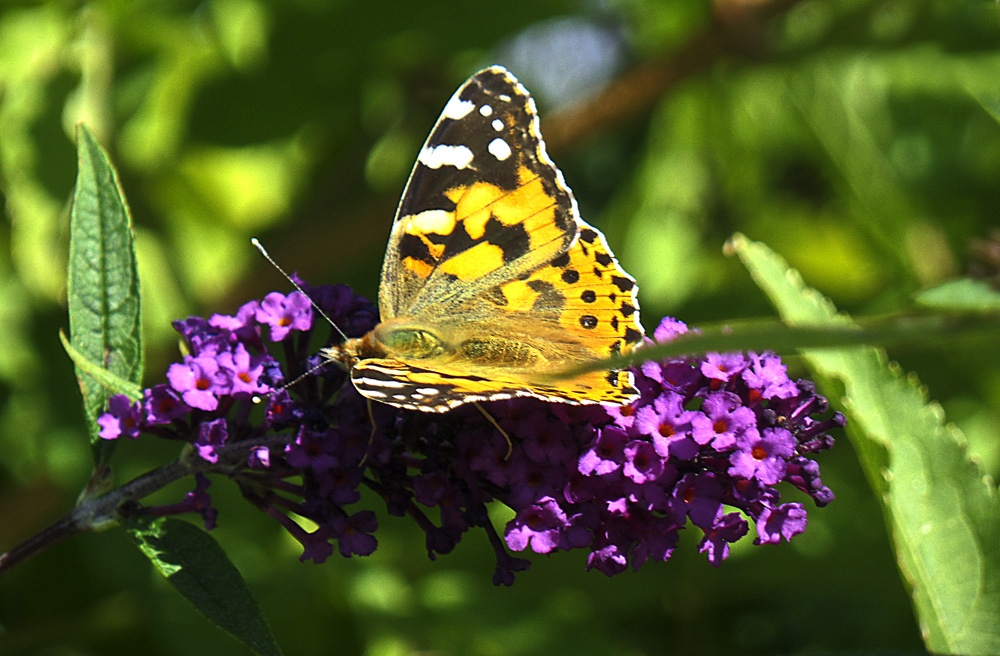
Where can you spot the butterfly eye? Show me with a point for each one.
(409, 342)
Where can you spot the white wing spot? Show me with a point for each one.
(440, 222)
(444, 155)
(428, 391)
(504, 97)
(457, 108)
(497, 124)
(371, 382)
(499, 149)
(486, 110)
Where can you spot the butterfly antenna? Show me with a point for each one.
(267, 256)
(257, 399)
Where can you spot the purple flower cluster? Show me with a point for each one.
(708, 434)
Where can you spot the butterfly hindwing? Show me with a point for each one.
(441, 388)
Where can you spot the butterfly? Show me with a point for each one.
(492, 281)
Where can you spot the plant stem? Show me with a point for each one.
(103, 511)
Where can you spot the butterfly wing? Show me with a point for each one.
(488, 252)
(483, 205)
(440, 387)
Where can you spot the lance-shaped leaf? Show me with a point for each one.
(941, 509)
(102, 282)
(194, 563)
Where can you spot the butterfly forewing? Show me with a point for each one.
(483, 205)
(490, 263)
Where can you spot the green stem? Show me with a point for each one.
(99, 513)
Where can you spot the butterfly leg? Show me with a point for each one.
(489, 417)
(371, 436)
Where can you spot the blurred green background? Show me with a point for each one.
(859, 138)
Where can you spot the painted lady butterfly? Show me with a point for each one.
(491, 280)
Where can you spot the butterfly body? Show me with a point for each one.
(491, 281)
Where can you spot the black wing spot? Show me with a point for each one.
(496, 296)
(562, 261)
(603, 259)
(588, 235)
(627, 309)
(570, 276)
(515, 243)
(622, 283)
(588, 296)
(415, 204)
(614, 323)
(414, 247)
(512, 240)
(632, 335)
(459, 241)
(549, 298)
(588, 321)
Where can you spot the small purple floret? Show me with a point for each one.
(285, 313)
(123, 419)
(199, 380)
(211, 434)
(540, 525)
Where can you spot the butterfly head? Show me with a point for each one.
(347, 354)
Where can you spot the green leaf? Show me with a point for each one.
(989, 101)
(194, 563)
(774, 335)
(102, 282)
(942, 511)
(965, 295)
(110, 381)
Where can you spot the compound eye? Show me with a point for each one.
(409, 342)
